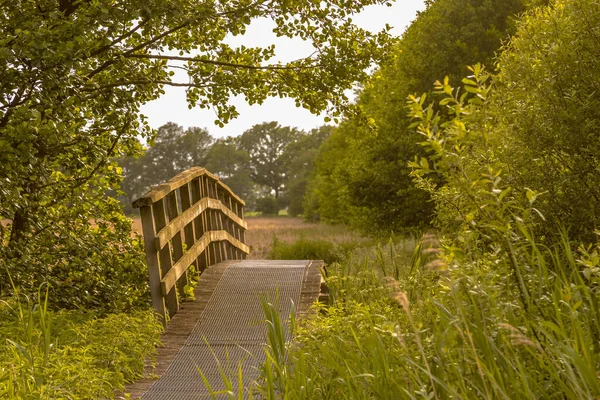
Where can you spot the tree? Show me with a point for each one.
(266, 144)
(299, 159)
(73, 75)
(172, 151)
(371, 177)
(548, 112)
(232, 165)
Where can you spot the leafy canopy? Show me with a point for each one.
(266, 144)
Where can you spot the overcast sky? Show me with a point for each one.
(172, 105)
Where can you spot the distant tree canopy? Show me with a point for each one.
(266, 160)
(265, 144)
(232, 165)
(73, 76)
(173, 150)
(362, 175)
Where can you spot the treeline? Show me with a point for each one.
(268, 165)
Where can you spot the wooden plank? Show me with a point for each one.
(236, 228)
(223, 244)
(177, 242)
(158, 211)
(189, 231)
(184, 263)
(217, 225)
(158, 301)
(176, 182)
(176, 225)
(199, 225)
(211, 237)
(222, 235)
(218, 205)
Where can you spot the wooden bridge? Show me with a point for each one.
(194, 224)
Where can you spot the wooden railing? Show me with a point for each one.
(192, 220)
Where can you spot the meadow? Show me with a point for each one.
(264, 232)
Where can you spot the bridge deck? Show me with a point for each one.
(225, 326)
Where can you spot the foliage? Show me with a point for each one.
(548, 113)
(73, 76)
(87, 264)
(173, 150)
(311, 249)
(266, 144)
(71, 355)
(362, 174)
(267, 205)
(325, 199)
(299, 157)
(232, 165)
(516, 143)
(440, 332)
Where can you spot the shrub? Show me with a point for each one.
(267, 205)
(311, 249)
(95, 265)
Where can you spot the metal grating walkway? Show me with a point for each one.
(231, 329)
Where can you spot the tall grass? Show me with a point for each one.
(517, 325)
(70, 355)
(262, 231)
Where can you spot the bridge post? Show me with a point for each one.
(158, 301)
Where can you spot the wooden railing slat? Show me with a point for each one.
(188, 230)
(187, 216)
(166, 262)
(177, 242)
(179, 180)
(178, 269)
(158, 301)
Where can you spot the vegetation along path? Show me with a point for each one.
(224, 327)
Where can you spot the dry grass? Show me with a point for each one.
(261, 231)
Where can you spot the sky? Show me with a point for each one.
(172, 106)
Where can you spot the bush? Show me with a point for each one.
(547, 113)
(267, 205)
(310, 249)
(96, 265)
(448, 327)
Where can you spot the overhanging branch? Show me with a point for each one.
(219, 63)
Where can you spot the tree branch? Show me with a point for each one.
(184, 24)
(107, 64)
(118, 39)
(143, 82)
(219, 63)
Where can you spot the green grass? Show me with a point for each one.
(70, 355)
(311, 249)
(426, 326)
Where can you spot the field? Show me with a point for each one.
(262, 230)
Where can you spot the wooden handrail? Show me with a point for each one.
(194, 219)
(177, 181)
